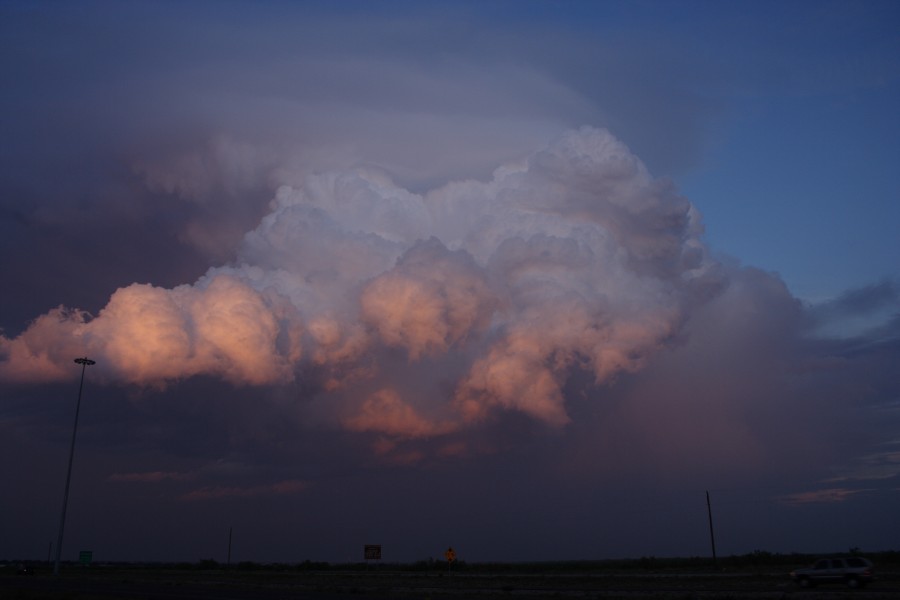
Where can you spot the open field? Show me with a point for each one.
(384, 582)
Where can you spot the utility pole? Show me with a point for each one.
(84, 362)
(712, 537)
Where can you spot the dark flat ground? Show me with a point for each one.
(102, 583)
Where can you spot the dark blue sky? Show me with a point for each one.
(524, 278)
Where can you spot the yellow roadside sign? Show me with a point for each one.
(450, 554)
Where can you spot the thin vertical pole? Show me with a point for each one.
(84, 362)
(712, 537)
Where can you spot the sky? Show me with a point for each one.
(528, 279)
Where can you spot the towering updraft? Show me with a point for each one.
(418, 313)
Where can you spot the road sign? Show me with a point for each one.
(450, 554)
(372, 551)
(85, 557)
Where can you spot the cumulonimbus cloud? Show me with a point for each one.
(574, 258)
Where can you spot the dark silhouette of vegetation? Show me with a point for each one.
(756, 560)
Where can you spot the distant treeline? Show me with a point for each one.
(753, 560)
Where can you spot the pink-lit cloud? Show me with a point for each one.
(826, 496)
(575, 259)
(386, 412)
(150, 477)
(280, 488)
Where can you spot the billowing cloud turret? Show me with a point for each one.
(575, 258)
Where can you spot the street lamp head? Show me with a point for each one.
(85, 361)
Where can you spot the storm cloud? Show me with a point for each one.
(574, 258)
(521, 279)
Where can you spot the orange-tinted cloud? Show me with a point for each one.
(385, 412)
(574, 259)
(827, 496)
(430, 301)
(150, 477)
(287, 487)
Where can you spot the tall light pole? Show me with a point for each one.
(84, 362)
(712, 536)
